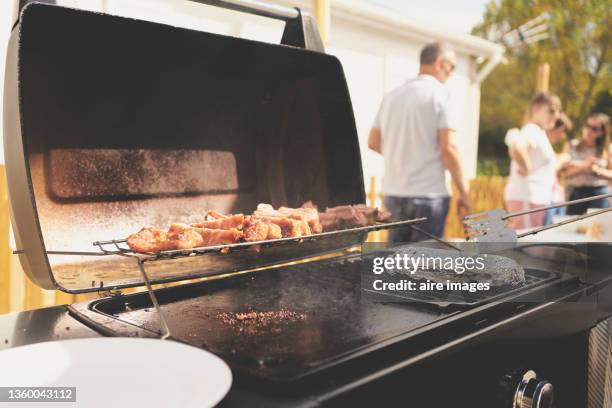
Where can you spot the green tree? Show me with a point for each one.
(578, 52)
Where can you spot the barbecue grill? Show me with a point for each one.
(113, 123)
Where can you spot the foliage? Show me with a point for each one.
(492, 166)
(578, 52)
(603, 102)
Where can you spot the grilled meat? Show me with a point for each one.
(266, 210)
(289, 227)
(310, 215)
(351, 216)
(214, 215)
(348, 217)
(224, 222)
(180, 237)
(257, 229)
(212, 237)
(274, 231)
(379, 215)
(148, 239)
(293, 222)
(183, 236)
(265, 223)
(329, 222)
(368, 213)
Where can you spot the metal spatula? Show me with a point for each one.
(492, 226)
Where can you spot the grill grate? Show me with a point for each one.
(119, 246)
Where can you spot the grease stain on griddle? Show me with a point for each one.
(251, 321)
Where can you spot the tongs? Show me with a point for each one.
(491, 226)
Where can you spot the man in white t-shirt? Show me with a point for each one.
(414, 131)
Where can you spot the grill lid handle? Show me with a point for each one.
(255, 7)
(300, 28)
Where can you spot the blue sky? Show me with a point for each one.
(446, 15)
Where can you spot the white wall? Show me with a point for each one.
(375, 61)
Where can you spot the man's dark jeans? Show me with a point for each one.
(405, 208)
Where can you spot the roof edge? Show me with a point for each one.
(385, 20)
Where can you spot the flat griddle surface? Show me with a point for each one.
(336, 321)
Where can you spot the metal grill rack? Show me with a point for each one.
(119, 247)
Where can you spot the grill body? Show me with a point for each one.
(113, 124)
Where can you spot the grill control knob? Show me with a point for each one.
(533, 393)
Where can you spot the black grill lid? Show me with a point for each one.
(112, 124)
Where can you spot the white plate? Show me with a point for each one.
(120, 372)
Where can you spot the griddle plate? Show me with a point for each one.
(338, 322)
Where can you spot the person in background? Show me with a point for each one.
(556, 135)
(414, 130)
(533, 162)
(588, 170)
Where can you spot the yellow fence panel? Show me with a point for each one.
(486, 193)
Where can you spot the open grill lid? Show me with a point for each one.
(112, 124)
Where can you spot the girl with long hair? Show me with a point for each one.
(588, 170)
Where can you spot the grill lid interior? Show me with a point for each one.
(125, 123)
